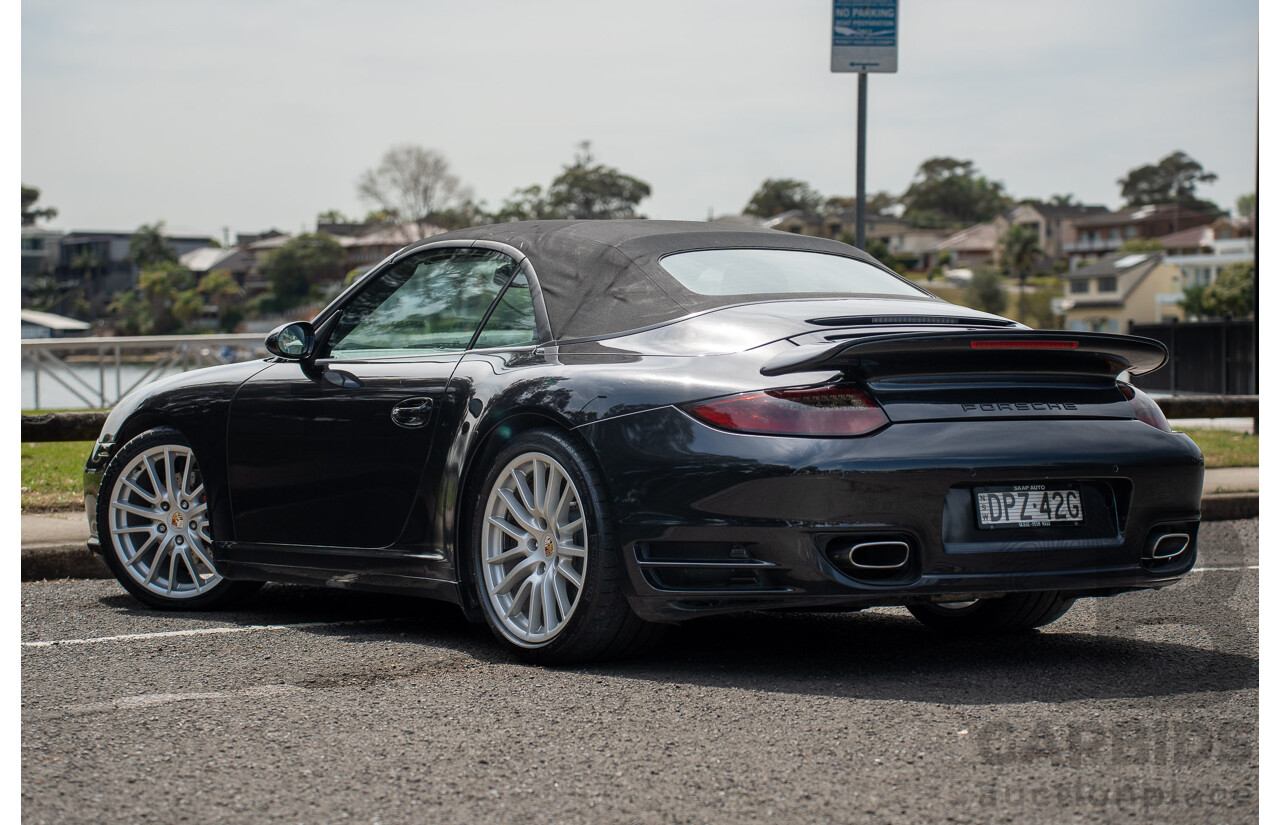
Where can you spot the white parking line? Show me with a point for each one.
(203, 631)
(1220, 569)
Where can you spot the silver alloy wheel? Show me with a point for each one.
(533, 549)
(159, 523)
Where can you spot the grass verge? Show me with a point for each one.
(53, 475)
(1226, 448)
(52, 472)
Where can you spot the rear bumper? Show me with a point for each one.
(710, 521)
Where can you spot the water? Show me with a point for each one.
(54, 396)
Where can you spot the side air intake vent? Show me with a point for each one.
(705, 567)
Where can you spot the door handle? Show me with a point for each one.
(412, 413)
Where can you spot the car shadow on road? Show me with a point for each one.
(870, 655)
(889, 656)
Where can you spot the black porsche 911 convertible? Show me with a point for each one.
(583, 431)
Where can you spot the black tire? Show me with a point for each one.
(1014, 613)
(598, 625)
(176, 533)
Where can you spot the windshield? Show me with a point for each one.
(780, 272)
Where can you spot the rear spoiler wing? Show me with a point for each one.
(1034, 351)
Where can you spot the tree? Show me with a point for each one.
(950, 192)
(589, 190)
(164, 298)
(332, 216)
(301, 263)
(221, 290)
(1021, 253)
(1063, 200)
(1172, 180)
(30, 214)
(1247, 205)
(778, 195)
(1231, 293)
(527, 204)
(877, 203)
(986, 291)
(470, 213)
(411, 184)
(148, 247)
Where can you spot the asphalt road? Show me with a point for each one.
(1140, 708)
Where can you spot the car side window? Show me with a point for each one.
(512, 322)
(432, 302)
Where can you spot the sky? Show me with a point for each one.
(259, 114)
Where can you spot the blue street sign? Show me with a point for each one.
(864, 36)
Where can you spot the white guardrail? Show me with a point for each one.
(73, 363)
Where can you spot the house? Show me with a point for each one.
(1201, 266)
(1054, 224)
(364, 245)
(797, 222)
(1118, 290)
(99, 262)
(972, 246)
(47, 325)
(39, 252)
(236, 262)
(1103, 234)
(901, 238)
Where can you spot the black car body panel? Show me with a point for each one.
(315, 472)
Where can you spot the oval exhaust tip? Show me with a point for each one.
(879, 555)
(1168, 546)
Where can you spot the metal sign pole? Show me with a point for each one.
(862, 160)
(864, 38)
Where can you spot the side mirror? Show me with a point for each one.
(294, 342)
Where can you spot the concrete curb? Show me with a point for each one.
(61, 561)
(1228, 506)
(76, 561)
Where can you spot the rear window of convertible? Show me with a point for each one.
(779, 272)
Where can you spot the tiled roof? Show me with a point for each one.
(978, 238)
(1196, 236)
(1055, 211)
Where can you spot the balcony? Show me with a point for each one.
(1095, 245)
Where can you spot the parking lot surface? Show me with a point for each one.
(311, 705)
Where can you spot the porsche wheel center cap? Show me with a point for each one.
(548, 545)
(176, 521)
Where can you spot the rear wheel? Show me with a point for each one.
(154, 525)
(1006, 614)
(547, 573)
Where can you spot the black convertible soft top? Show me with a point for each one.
(602, 277)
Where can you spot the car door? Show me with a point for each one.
(332, 455)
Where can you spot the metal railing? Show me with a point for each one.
(51, 359)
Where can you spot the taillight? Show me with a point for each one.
(1145, 409)
(826, 411)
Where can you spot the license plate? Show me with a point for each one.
(1028, 505)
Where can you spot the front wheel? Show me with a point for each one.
(1013, 613)
(548, 575)
(154, 526)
